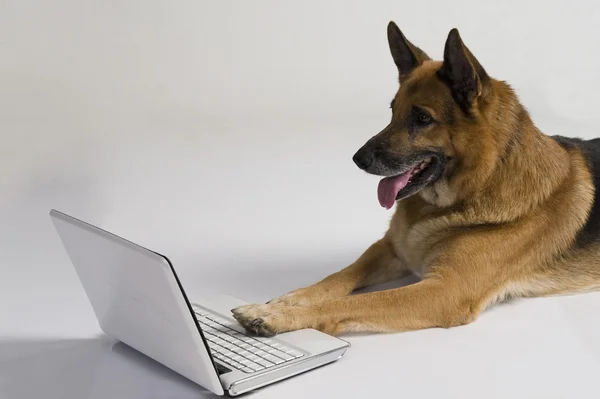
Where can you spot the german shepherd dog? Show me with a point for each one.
(488, 208)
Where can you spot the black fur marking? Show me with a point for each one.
(591, 150)
(568, 143)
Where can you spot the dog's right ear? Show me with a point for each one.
(406, 55)
(465, 75)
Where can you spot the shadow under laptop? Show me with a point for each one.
(86, 368)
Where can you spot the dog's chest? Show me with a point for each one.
(415, 242)
(410, 248)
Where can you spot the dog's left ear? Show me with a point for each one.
(465, 75)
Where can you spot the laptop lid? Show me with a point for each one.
(138, 299)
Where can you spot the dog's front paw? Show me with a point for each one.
(265, 320)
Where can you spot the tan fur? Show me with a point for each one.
(500, 223)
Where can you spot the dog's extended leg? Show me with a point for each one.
(429, 303)
(376, 265)
(451, 296)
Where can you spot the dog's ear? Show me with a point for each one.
(406, 56)
(466, 77)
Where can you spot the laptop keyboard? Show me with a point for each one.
(240, 351)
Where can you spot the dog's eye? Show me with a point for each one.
(423, 118)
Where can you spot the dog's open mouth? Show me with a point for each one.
(393, 188)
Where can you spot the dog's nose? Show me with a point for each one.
(363, 158)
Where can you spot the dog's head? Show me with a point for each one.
(437, 126)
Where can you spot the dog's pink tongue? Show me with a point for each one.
(389, 187)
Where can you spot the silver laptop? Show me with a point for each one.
(138, 299)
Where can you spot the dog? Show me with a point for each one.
(488, 208)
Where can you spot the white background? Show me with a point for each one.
(221, 133)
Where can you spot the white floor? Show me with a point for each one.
(222, 136)
(51, 346)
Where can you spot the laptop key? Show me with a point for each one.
(294, 353)
(274, 359)
(229, 338)
(264, 363)
(262, 354)
(256, 367)
(219, 327)
(229, 346)
(233, 363)
(254, 358)
(230, 355)
(208, 329)
(283, 355)
(279, 347)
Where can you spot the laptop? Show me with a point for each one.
(138, 299)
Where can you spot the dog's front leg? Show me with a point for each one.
(429, 303)
(377, 264)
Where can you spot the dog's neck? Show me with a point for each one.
(528, 170)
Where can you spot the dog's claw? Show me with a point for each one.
(255, 325)
(258, 327)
